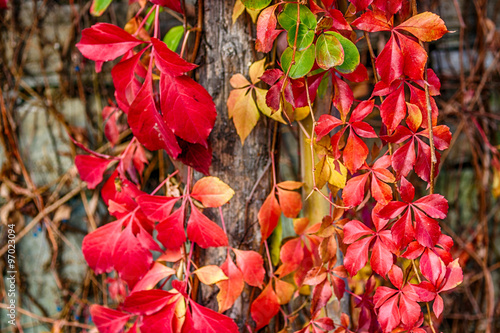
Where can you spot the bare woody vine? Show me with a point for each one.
(398, 244)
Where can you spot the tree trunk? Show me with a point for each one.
(227, 50)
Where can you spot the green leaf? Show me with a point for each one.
(256, 4)
(173, 37)
(329, 51)
(305, 37)
(288, 17)
(99, 6)
(151, 18)
(304, 61)
(351, 54)
(275, 243)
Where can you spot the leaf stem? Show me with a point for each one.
(271, 271)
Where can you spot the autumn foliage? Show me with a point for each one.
(398, 243)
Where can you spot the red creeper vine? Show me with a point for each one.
(374, 218)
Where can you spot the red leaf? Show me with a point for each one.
(321, 295)
(357, 255)
(171, 230)
(269, 215)
(390, 62)
(187, 108)
(196, 156)
(415, 58)
(362, 110)
(403, 159)
(425, 26)
(291, 254)
(105, 42)
(98, 247)
(157, 273)
(407, 190)
(126, 84)
(147, 302)
(354, 191)
(110, 116)
(209, 321)
(371, 22)
(265, 307)
(441, 136)
(434, 205)
(251, 265)
(130, 258)
(380, 191)
(390, 7)
(343, 97)
(381, 259)
(172, 4)
(108, 320)
(363, 129)
(203, 231)
(161, 321)
(402, 230)
(423, 162)
(156, 208)
(393, 109)
(325, 125)
(355, 152)
(91, 169)
(168, 61)
(290, 202)
(231, 288)
(148, 125)
(212, 192)
(427, 230)
(388, 315)
(354, 230)
(266, 30)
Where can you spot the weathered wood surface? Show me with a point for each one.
(227, 50)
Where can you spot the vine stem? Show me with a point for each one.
(164, 181)
(144, 20)
(426, 303)
(222, 220)
(271, 271)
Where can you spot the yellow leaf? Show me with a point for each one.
(338, 173)
(238, 9)
(266, 110)
(253, 14)
(245, 116)
(256, 70)
(301, 113)
(322, 172)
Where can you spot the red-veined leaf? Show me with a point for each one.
(251, 265)
(203, 231)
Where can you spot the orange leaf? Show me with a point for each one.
(210, 274)
(290, 202)
(269, 215)
(231, 288)
(284, 291)
(425, 26)
(212, 192)
(290, 185)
